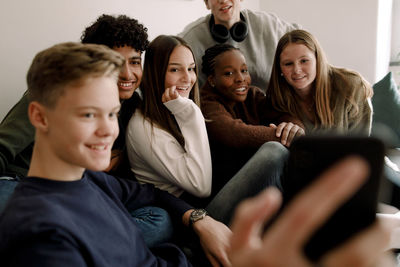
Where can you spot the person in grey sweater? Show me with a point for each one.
(255, 33)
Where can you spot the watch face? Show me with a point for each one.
(198, 214)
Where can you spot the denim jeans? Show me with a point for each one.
(262, 170)
(7, 186)
(154, 223)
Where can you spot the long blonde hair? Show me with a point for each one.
(284, 98)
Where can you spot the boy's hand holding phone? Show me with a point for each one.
(311, 156)
(282, 244)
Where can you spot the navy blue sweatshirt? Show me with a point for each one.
(83, 223)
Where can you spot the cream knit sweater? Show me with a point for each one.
(156, 157)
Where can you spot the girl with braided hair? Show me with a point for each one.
(240, 120)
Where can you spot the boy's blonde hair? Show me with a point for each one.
(68, 63)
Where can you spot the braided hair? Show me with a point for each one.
(208, 64)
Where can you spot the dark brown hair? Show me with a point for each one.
(153, 84)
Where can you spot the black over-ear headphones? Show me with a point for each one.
(221, 34)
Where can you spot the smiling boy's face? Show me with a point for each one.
(225, 12)
(131, 74)
(83, 125)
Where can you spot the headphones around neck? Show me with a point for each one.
(221, 34)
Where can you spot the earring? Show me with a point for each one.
(281, 73)
(212, 85)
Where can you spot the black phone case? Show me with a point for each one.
(309, 157)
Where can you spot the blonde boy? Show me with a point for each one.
(66, 212)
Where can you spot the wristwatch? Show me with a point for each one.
(196, 215)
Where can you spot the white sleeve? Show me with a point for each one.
(188, 168)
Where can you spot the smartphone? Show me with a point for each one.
(310, 157)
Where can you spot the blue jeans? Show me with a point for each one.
(262, 170)
(154, 223)
(7, 186)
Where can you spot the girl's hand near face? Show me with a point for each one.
(169, 94)
(287, 131)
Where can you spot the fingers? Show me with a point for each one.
(219, 260)
(280, 128)
(224, 260)
(391, 222)
(291, 133)
(246, 244)
(316, 203)
(169, 94)
(218, 255)
(364, 249)
(300, 132)
(287, 131)
(214, 262)
(297, 131)
(214, 239)
(250, 217)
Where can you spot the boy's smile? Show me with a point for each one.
(131, 74)
(83, 125)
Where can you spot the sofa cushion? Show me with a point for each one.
(386, 107)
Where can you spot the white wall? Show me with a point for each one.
(395, 54)
(347, 30)
(30, 26)
(383, 35)
(350, 31)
